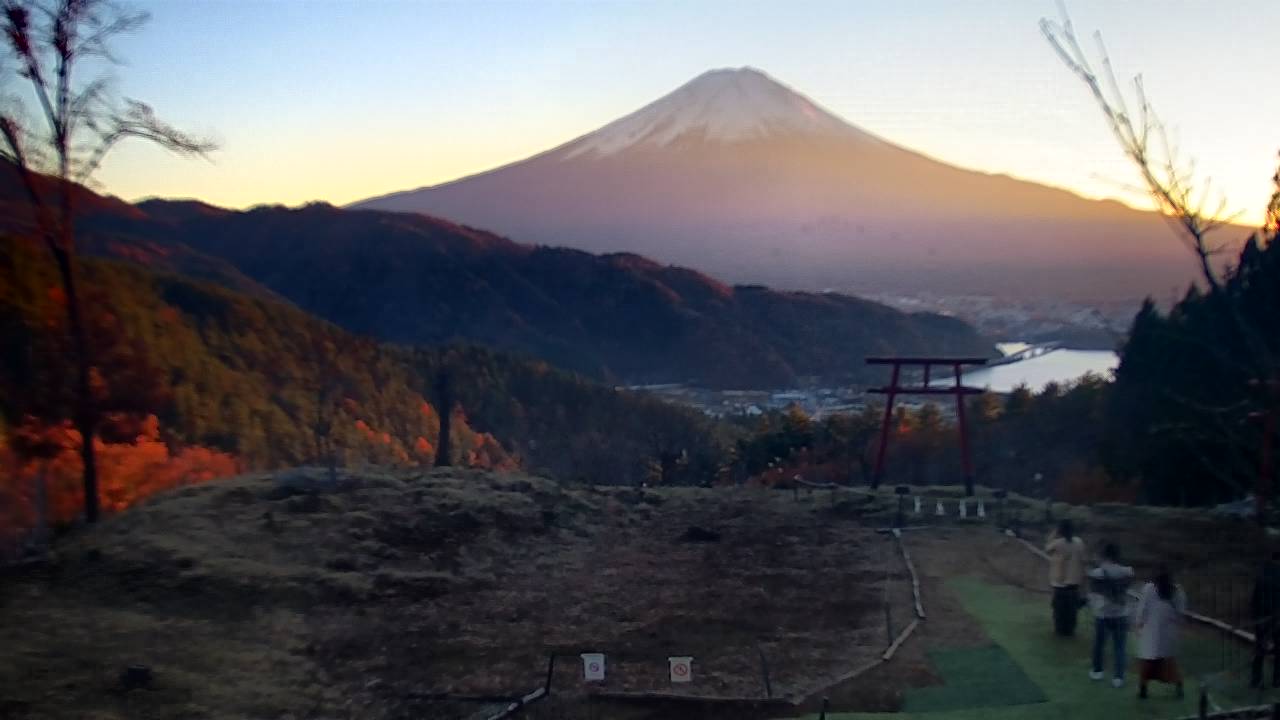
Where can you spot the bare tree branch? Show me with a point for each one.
(84, 125)
(1169, 181)
(1271, 222)
(139, 121)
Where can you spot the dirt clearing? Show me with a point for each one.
(437, 595)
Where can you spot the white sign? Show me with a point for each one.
(681, 669)
(593, 667)
(917, 504)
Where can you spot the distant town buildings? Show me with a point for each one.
(817, 401)
(1033, 366)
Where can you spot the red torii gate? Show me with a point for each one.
(893, 390)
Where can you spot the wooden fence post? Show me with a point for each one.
(764, 671)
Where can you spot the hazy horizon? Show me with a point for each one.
(458, 89)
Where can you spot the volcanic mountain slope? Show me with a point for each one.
(742, 177)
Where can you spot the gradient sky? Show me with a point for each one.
(340, 100)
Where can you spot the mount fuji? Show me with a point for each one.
(740, 176)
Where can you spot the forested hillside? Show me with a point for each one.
(418, 280)
(1196, 386)
(121, 231)
(622, 318)
(194, 381)
(1038, 444)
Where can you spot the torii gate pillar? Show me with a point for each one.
(895, 388)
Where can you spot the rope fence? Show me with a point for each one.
(911, 569)
(1229, 632)
(1255, 712)
(1229, 629)
(767, 699)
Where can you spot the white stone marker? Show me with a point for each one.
(964, 509)
(917, 504)
(940, 512)
(982, 510)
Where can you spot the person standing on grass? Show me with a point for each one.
(1066, 572)
(1159, 615)
(1109, 597)
(1265, 608)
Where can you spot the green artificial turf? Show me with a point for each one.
(1019, 624)
(974, 678)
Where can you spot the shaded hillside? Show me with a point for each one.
(248, 376)
(111, 227)
(184, 365)
(413, 279)
(576, 429)
(1186, 420)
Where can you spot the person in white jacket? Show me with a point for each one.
(1159, 615)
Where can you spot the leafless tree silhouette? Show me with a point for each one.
(1183, 197)
(75, 126)
(1171, 181)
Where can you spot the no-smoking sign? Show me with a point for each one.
(681, 669)
(593, 667)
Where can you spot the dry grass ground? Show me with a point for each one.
(391, 594)
(273, 597)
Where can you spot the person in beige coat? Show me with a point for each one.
(1066, 571)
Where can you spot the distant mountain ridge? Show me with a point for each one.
(621, 318)
(744, 178)
(137, 233)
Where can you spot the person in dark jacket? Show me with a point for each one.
(1264, 607)
(1109, 596)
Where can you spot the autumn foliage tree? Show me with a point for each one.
(61, 143)
(41, 466)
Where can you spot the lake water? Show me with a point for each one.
(1060, 366)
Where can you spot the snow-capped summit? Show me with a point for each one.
(724, 105)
